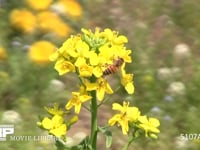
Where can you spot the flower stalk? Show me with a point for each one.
(130, 140)
(94, 127)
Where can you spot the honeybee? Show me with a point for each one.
(113, 68)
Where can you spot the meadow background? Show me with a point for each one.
(164, 37)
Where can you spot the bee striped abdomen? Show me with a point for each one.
(111, 69)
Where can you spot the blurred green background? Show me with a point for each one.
(164, 37)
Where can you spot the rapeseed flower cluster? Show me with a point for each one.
(55, 124)
(92, 56)
(131, 117)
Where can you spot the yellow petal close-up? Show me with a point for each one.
(130, 88)
(85, 70)
(63, 66)
(100, 93)
(97, 71)
(80, 61)
(47, 123)
(116, 106)
(121, 40)
(60, 131)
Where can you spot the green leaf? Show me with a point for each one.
(108, 138)
(102, 129)
(108, 135)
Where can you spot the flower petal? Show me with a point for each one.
(47, 123)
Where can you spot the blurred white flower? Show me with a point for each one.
(181, 142)
(168, 118)
(176, 88)
(168, 98)
(11, 116)
(155, 109)
(56, 85)
(182, 51)
(16, 43)
(164, 73)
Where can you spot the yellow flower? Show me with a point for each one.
(97, 71)
(83, 52)
(3, 54)
(120, 40)
(23, 20)
(67, 50)
(96, 62)
(54, 56)
(68, 7)
(69, 47)
(76, 101)
(107, 52)
(127, 115)
(93, 58)
(113, 38)
(127, 82)
(54, 110)
(39, 4)
(63, 66)
(83, 90)
(149, 125)
(123, 53)
(82, 48)
(40, 51)
(72, 121)
(51, 22)
(109, 34)
(101, 87)
(85, 70)
(55, 126)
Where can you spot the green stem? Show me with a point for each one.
(94, 127)
(60, 145)
(108, 98)
(131, 139)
